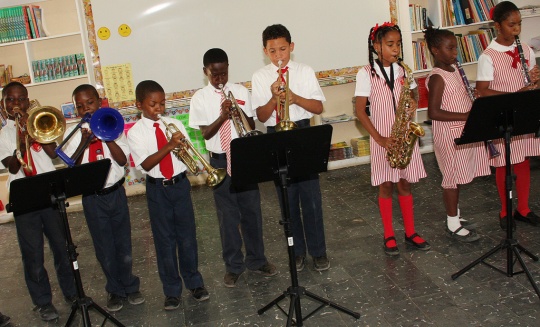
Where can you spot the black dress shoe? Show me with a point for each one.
(424, 246)
(502, 223)
(530, 218)
(390, 250)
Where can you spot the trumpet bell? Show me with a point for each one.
(107, 124)
(45, 124)
(286, 125)
(215, 177)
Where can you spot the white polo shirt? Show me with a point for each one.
(205, 108)
(143, 143)
(8, 144)
(116, 172)
(302, 81)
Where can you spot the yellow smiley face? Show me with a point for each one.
(104, 33)
(124, 30)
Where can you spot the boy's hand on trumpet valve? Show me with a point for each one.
(277, 88)
(176, 140)
(226, 109)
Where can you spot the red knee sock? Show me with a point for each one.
(523, 186)
(385, 208)
(500, 177)
(407, 211)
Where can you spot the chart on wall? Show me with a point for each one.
(164, 40)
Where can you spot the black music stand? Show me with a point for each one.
(491, 118)
(279, 157)
(51, 189)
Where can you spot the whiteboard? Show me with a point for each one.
(169, 37)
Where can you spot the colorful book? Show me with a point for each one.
(39, 21)
(466, 11)
(36, 30)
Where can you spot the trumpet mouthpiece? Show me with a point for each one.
(159, 116)
(220, 86)
(280, 62)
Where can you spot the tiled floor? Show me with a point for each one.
(412, 289)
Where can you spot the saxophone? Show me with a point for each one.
(404, 131)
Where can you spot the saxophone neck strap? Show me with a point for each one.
(389, 81)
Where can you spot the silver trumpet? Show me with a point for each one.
(238, 117)
(187, 154)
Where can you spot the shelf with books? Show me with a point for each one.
(64, 35)
(468, 19)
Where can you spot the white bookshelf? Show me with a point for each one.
(66, 35)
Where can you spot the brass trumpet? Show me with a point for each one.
(44, 125)
(238, 117)
(187, 153)
(284, 124)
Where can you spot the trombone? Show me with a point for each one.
(187, 153)
(106, 124)
(284, 124)
(238, 117)
(44, 125)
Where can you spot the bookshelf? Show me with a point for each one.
(66, 35)
(435, 12)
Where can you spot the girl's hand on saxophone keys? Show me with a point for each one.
(412, 106)
(385, 142)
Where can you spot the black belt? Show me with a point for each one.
(112, 188)
(166, 182)
(218, 156)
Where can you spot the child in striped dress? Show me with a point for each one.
(449, 106)
(500, 71)
(381, 82)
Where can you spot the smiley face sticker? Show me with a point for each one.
(104, 33)
(124, 30)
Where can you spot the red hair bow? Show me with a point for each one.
(374, 31)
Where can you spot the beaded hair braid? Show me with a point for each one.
(376, 35)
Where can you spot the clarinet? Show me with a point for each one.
(489, 144)
(524, 66)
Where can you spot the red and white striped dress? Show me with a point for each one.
(459, 164)
(383, 117)
(509, 79)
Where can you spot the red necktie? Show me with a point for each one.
(95, 151)
(515, 58)
(37, 147)
(165, 165)
(225, 136)
(283, 72)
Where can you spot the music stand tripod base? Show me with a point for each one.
(51, 189)
(278, 157)
(491, 118)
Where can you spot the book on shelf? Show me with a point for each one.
(21, 23)
(58, 68)
(422, 91)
